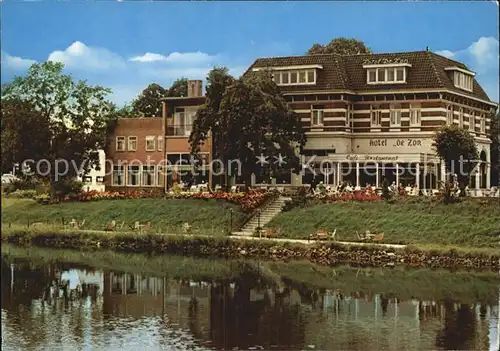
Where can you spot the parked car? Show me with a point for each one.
(8, 178)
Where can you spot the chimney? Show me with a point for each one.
(195, 88)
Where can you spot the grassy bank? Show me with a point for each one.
(165, 215)
(416, 221)
(327, 253)
(423, 284)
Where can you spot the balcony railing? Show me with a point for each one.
(178, 130)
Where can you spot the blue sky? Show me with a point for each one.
(125, 45)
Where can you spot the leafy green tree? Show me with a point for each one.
(457, 149)
(495, 149)
(148, 103)
(178, 88)
(77, 115)
(341, 46)
(249, 119)
(25, 133)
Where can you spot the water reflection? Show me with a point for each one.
(65, 306)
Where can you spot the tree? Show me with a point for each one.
(178, 88)
(25, 133)
(76, 113)
(148, 103)
(495, 149)
(248, 120)
(457, 149)
(341, 46)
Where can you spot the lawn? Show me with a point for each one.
(165, 215)
(472, 222)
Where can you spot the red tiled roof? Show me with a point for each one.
(339, 72)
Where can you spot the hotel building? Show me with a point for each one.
(367, 118)
(370, 117)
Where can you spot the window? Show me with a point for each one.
(118, 176)
(381, 75)
(148, 175)
(160, 173)
(372, 76)
(317, 112)
(87, 179)
(183, 121)
(285, 78)
(311, 76)
(482, 125)
(463, 81)
(395, 115)
(120, 143)
(295, 77)
(133, 176)
(449, 115)
(472, 121)
(415, 115)
(277, 78)
(400, 75)
(132, 143)
(461, 117)
(302, 76)
(388, 75)
(150, 143)
(99, 179)
(349, 116)
(160, 143)
(375, 116)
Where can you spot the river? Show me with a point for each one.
(72, 300)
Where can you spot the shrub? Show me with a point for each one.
(23, 194)
(66, 188)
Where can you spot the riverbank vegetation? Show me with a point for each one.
(416, 220)
(230, 247)
(422, 284)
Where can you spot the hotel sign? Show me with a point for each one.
(407, 142)
(384, 61)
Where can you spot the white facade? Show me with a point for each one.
(94, 180)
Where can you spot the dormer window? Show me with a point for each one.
(390, 73)
(462, 78)
(293, 75)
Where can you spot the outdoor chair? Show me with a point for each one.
(79, 225)
(271, 233)
(110, 226)
(378, 237)
(186, 227)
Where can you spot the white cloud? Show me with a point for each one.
(481, 57)
(82, 57)
(446, 53)
(485, 51)
(15, 62)
(175, 57)
(128, 75)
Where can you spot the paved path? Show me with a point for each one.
(310, 242)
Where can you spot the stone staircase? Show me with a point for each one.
(266, 214)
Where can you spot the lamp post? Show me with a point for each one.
(258, 222)
(230, 220)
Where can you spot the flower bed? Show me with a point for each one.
(248, 201)
(356, 196)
